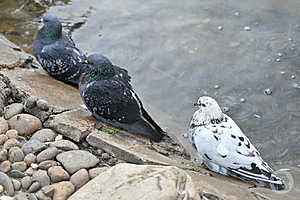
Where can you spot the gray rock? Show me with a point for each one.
(25, 124)
(6, 198)
(33, 146)
(15, 154)
(65, 145)
(29, 159)
(44, 135)
(42, 104)
(31, 102)
(80, 178)
(3, 126)
(12, 110)
(3, 155)
(135, 182)
(12, 134)
(77, 159)
(5, 166)
(16, 174)
(26, 182)
(11, 143)
(16, 184)
(57, 174)
(62, 190)
(45, 165)
(34, 187)
(7, 184)
(47, 154)
(3, 139)
(20, 166)
(48, 190)
(22, 196)
(96, 171)
(42, 177)
(41, 196)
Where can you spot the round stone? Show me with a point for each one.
(25, 124)
(42, 177)
(5, 166)
(12, 134)
(11, 143)
(29, 159)
(15, 154)
(80, 178)
(33, 146)
(12, 110)
(57, 174)
(31, 102)
(7, 184)
(3, 139)
(247, 28)
(45, 165)
(29, 171)
(26, 182)
(16, 184)
(3, 126)
(47, 154)
(34, 187)
(3, 155)
(20, 166)
(44, 135)
(96, 171)
(42, 104)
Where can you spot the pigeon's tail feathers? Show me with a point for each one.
(261, 174)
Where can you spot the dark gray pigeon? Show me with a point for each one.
(107, 93)
(56, 51)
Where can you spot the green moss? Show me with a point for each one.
(108, 130)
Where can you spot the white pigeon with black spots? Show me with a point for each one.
(224, 148)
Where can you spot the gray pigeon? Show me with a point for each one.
(56, 51)
(106, 91)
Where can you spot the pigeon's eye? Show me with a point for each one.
(203, 105)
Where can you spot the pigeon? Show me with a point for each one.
(107, 93)
(223, 147)
(56, 51)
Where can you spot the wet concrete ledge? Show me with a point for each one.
(67, 118)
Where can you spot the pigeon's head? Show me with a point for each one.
(98, 67)
(52, 27)
(210, 107)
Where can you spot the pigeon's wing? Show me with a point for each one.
(58, 59)
(123, 75)
(112, 99)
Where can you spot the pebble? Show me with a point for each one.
(48, 190)
(16, 184)
(65, 145)
(105, 156)
(290, 39)
(3, 139)
(268, 91)
(47, 154)
(220, 28)
(185, 135)
(57, 174)
(278, 59)
(41, 196)
(257, 116)
(33, 146)
(1, 189)
(58, 137)
(31, 102)
(237, 14)
(20, 166)
(77, 159)
(63, 190)
(44, 135)
(25, 124)
(5, 166)
(279, 54)
(242, 100)
(96, 171)
(3, 155)
(42, 177)
(29, 171)
(13, 142)
(29, 159)
(42, 104)
(295, 85)
(12, 134)
(45, 165)
(247, 28)
(15, 154)
(26, 182)
(34, 187)
(7, 184)
(12, 110)
(3, 126)
(34, 166)
(80, 178)
(16, 174)
(216, 86)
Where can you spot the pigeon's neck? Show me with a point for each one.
(211, 116)
(51, 33)
(101, 73)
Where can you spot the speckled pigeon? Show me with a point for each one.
(56, 51)
(224, 148)
(107, 93)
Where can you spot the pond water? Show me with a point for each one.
(176, 51)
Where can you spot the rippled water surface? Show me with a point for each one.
(175, 52)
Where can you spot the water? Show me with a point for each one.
(175, 52)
